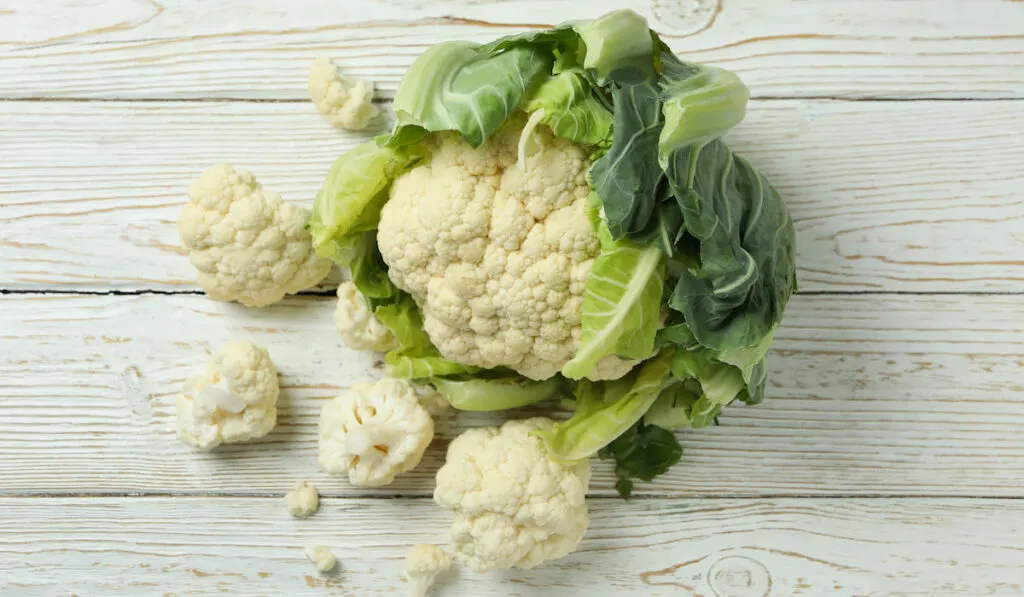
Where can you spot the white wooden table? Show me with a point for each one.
(888, 459)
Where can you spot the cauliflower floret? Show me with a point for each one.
(322, 557)
(422, 565)
(359, 327)
(513, 505)
(302, 500)
(248, 245)
(497, 258)
(374, 432)
(234, 400)
(343, 102)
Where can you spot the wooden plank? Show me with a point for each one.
(239, 49)
(90, 192)
(867, 395)
(739, 548)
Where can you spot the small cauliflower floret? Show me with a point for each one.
(343, 102)
(513, 505)
(374, 432)
(248, 245)
(234, 400)
(302, 500)
(321, 557)
(422, 565)
(359, 327)
(494, 252)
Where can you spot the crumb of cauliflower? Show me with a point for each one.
(247, 244)
(496, 253)
(233, 400)
(343, 102)
(374, 432)
(322, 557)
(358, 326)
(513, 505)
(303, 500)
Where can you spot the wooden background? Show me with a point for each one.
(888, 459)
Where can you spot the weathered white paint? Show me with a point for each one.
(868, 395)
(909, 196)
(241, 49)
(655, 548)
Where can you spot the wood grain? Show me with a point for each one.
(894, 196)
(734, 548)
(155, 49)
(868, 395)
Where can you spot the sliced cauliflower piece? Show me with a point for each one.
(322, 557)
(496, 256)
(423, 563)
(233, 400)
(303, 500)
(513, 505)
(374, 432)
(248, 245)
(359, 327)
(343, 102)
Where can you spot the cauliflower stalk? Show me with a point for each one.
(247, 244)
(374, 432)
(513, 505)
(233, 400)
(343, 102)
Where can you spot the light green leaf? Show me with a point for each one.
(484, 394)
(601, 417)
(350, 200)
(460, 86)
(571, 109)
(618, 43)
(621, 304)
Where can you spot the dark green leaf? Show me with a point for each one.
(643, 452)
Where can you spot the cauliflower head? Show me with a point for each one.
(233, 400)
(359, 327)
(423, 563)
(248, 245)
(343, 102)
(496, 253)
(374, 432)
(513, 505)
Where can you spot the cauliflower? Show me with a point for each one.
(321, 557)
(248, 245)
(496, 258)
(374, 432)
(513, 505)
(359, 327)
(302, 500)
(234, 400)
(422, 565)
(345, 103)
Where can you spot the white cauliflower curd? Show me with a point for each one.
(423, 563)
(496, 254)
(233, 400)
(359, 327)
(248, 245)
(513, 505)
(343, 102)
(374, 432)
